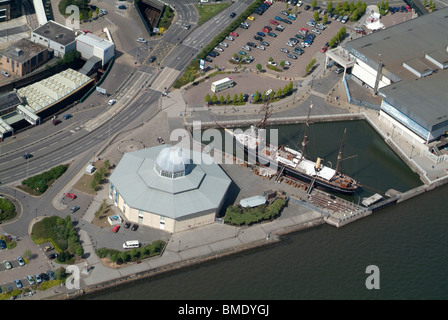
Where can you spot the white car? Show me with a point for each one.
(219, 49)
(141, 40)
(6, 74)
(287, 63)
(223, 44)
(103, 11)
(272, 63)
(247, 48)
(299, 3)
(261, 47)
(111, 102)
(230, 38)
(315, 31)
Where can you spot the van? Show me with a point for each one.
(131, 244)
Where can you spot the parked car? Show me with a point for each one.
(115, 228)
(2, 244)
(21, 261)
(261, 34)
(287, 63)
(51, 275)
(261, 47)
(284, 50)
(70, 195)
(6, 74)
(272, 34)
(265, 30)
(339, 70)
(152, 59)
(134, 227)
(307, 7)
(272, 63)
(258, 38)
(18, 283)
(273, 22)
(324, 48)
(38, 278)
(53, 256)
(315, 31)
(219, 49)
(30, 280)
(230, 38)
(74, 209)
(264, 43)
(111, 102)
(287, 21)
(242, 52)
(127, 225)
(292, 56)
(234, 34)
(247, 48)
(44, 276)
(141, 40)
(7, 264)
(278, 18)
(251, 44)
(251, 18)
(223, 44)
(284, 12)
(67, 116)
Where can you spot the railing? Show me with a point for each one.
(360, 103)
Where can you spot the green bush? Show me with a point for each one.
(40, 183)
(246, 216)
(7, 209)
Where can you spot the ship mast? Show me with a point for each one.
(267, 114)
(340, 153)
(305, 137)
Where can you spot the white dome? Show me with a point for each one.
(171, 161)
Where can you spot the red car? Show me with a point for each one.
(304, 29)
(324, 49)
(116, 228)
(234, 34)
(70, 195)
(265, 30)
(274, 22)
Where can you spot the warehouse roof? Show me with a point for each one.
(22, 50)
(403, 42)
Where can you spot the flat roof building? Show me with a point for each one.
(23, 57)
(406, 65)
(56, 37)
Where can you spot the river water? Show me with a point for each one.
(407, 243)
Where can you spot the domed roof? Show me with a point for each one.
(172, 160)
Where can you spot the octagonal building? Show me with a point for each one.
(161, 187)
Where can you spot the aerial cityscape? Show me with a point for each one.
(140, 138)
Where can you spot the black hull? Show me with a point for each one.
(289, 172)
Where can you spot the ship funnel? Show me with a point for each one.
(318, 164)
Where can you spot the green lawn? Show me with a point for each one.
(206, 11)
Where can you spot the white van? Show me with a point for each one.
(131, 244)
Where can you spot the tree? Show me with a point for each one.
(228, 98)
(207, 98)
(316, 16)
(270, 59)
(285, 90)
(271, 95)
(325, 18)
(282, 63)
(345, 6)
(235, 98)
(256, 96)
(221, 99)
(214, 98)
(259, 66)
(279, 92)
(241, 97)
(330, 6)
(314, 4)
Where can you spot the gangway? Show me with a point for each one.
(280, 172)
(311, 185)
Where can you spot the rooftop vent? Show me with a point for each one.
(17, 52)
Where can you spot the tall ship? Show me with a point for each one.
(293, 163)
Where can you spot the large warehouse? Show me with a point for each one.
(406, 65)
(160, 187)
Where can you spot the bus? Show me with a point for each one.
(131, 244)
(222, 84)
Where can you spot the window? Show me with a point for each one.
(140, 216)
(162, 223)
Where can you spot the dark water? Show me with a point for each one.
(407, 242)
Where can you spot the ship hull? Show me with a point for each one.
(255, 157)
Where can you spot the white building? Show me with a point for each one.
(161, 187)
(90, 45)
(57, 37)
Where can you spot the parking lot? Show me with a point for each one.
(297, 67)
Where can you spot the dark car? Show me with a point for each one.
(152, 59)
(53, 256)
(264, 43)
(251, 44)
(258, 38)
(272, 34)
(2, 244)
(287, 21)
(51, 275)
(134, 227)
(232, 15)
(44, 276)
(127, 225)
(307, 7)
(27, 156)
(261, 34)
